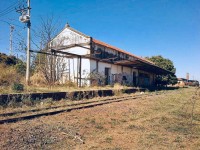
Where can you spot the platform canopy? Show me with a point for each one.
(139, 64)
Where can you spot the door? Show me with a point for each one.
(107, 76)
(134, 79)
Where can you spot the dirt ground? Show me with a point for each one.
(170, 120)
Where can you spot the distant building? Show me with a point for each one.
(185, 82)
(187, 76)
(92, 62)
(181, 82)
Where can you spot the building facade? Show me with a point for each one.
(88, 61)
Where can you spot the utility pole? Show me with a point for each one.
(28, 46)
(25, 18)
(11, 42)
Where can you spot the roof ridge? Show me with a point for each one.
(69, 27)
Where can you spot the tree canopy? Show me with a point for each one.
(165, 64)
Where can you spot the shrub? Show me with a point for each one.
(17, 87)
(21, 68)
(38, 79)
(118, 92)
(98, 79)
(118, 86)
(8, 75)
(70, 83)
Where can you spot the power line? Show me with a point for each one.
(9, 23)
(6, 12)
(35, 44)
(22, 28)
(9, 11)
(10, 8)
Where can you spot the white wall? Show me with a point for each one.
(127, 70)
(93, 66)
(115, 70)
(68, 37)
(72, 69)
(77, 50)
(85, 71)
(102, 67)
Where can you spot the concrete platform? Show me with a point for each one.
(74, 95)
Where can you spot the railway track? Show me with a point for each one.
(12, 117)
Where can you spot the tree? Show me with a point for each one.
(46, 31)
(166, 64)
(48, 63)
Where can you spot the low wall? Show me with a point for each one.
(75, 95)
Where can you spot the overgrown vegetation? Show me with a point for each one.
(12, 73)
(17, 87)
(165, 64)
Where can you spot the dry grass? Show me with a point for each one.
(56, 88)
(38, 79)
(158, 122)
(39, 84)
(8, 75)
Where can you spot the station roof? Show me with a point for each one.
(138, 63)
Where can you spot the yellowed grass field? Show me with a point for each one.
(170, 120)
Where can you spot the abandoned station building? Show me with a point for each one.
(89, 61)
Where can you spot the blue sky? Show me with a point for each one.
(170, 28)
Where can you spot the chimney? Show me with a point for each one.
(67, 25)
(187, 76)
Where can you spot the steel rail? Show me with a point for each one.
(51, 111)
(55, 107)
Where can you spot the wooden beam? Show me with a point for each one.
(58, 51)
(80, 65)
(71, 46)
(77, 74)
(40, 52)
(97, 66)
